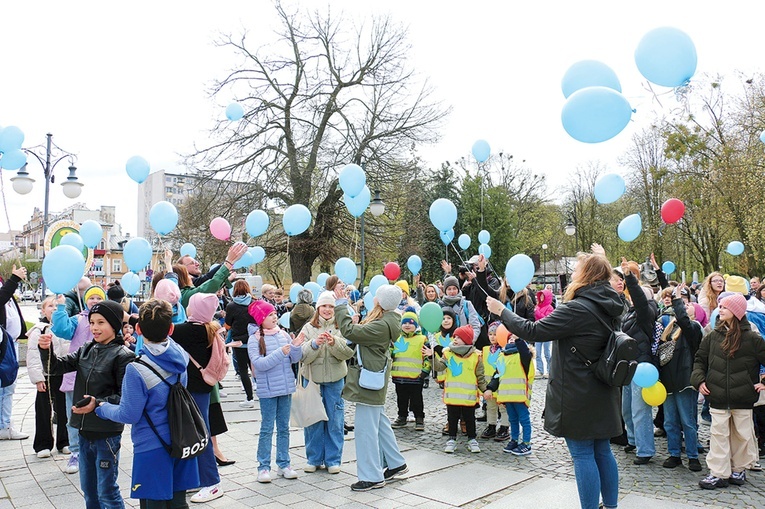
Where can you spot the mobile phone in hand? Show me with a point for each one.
(82, 403)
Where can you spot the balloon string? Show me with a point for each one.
(464, 263)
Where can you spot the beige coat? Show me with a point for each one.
(327, 363)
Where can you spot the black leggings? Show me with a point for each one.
(243, 368)
(43, 429)
(467, 414)
(178, 502)
(409, 397)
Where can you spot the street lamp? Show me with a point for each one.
(544, 267)
(22, 182)
(377, 208)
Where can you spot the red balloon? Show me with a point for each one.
(672, 210)
(392, 271)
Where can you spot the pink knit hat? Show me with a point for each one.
(168, 290)
(202, 307)
(259, 310)
(736, 304)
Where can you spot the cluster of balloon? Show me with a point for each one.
(392, 271)
(464, 241)
(62, 268)
(234, 112)
(256, 223)
(647, 376)
(668, 267)
(481, 150)
(609, 188)
(137, 168)
(672, 210)
(431, 316)
(630, 227)
(74, 240)
(666, 56)
(91, 233)
(356, 194)
(345, 268)
(414, 264)
(131, 283)
(189, 249)
(735, 248)
(443, 215)
(163, 217)
(519, 272)
(595, 108)
(220, 228)
(11, 139)
(296, 219)
(137, 253)
(356, 206)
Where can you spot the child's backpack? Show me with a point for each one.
(188, 433)
(219, 363)
(9, 362)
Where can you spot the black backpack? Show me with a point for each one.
(188, 433)
(9, 363)
(617, 365)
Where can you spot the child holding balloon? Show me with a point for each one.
(727, 372)
(489, 355)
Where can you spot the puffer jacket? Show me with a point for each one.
(730, 380)
(676, 374)
(544, 304)
(34, 363)
(639, 321)
(326, 363)
(274, 369)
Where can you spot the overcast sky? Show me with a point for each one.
(114, 80)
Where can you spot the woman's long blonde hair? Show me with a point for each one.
(706, 289)
(590, 268)
(375, 314)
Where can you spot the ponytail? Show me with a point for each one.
(262, 342)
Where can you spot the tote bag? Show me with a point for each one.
(307, 406)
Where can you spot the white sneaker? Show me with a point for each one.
(309, 468)
(264, 475)
(208, 493)
(65, 450)
(472, 446)
(286, 472)
(334, 469)
(73, 465)
(451, 445)
(45, 453)
(222, 394)
(11, 434)
(247, 404)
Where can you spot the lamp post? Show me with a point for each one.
(22, 182)
(570, 230)
(544, 267)
(377, 208)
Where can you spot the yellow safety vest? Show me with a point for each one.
(488, 368)
(409, 363)
(515, 385)
(462, 389)
(443, 341)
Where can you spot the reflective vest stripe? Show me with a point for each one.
(459, 385)
(409, 363)
(515, 386)
(408, 369)
(408, 359)
(461, 390)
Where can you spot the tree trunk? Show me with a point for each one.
(301, 259)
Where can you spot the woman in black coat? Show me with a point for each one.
(578, 406)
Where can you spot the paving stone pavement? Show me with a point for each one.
(490, 479)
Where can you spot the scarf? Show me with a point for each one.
(451, 301)
(510, 349)
(461, 350)
(243, 300)
(271, 332)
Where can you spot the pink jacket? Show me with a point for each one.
(544, 304)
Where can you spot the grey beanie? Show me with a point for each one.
(388, 296)
(451, 281)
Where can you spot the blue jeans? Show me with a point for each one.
(375, 443)
(324, 440)
(596, 472)
(518, 415)
(544, 350)
(6, 405)
(208, 469)
(274, 410)
(638, 419)
(680, 416)
(99, 467)
(705, 414)
(74, 434)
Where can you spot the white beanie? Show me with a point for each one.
(389, 297)
(326, 299)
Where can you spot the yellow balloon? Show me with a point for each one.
(655, 394)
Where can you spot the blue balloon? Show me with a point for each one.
(595, 114)
(163, 217)
(630, 227)
(668, 267)
(609, 188)
(713, 316)
(284, 320)
(369, 301)
(188, 249)
(481, 150)
(345, 268)
(443, 214)
(234, 112)
(62, 268)
(296, 219)
(295, 289)
(447, 236)
(762, 136)
(414, 264)
(646, 375)
(258, 254)
(72, 239)
(131, 283)
(13, 159)
(485, 250)
(356, 206)
(735, 248)
(376, 282)
(256, 223)
(352, 180)
(589, 73)
(137, 253)
(484, 237)
(464, 241)
(11, 138)
(666, 56)
(519, 272)
(321, 279)
(315, 289)
(245, 261)
(137, 168)
(91, 233)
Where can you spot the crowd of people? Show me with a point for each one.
(99, 362)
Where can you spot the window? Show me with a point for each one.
(117, 265)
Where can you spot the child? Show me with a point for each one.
(489, 355)
(515, 374)
(443, 338)
(100, 367)
(726, 372)
(545, 300)
(410, 368)
(158, 480)
(127, 335)
(464, 379)
(272, 353)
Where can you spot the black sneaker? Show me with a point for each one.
(503, 433)
(673, 462)
(400, 422)
(737, 478)
(694, 465)
(419, 424)
(629, 448)
(367, 485)
(489, 432)
(642, 460)
(391, 474)
(711, 482)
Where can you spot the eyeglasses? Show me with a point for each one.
(717, 280)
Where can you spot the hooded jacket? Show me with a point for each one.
(639, 321)
(577, 405)
(34, 363)
(676, 374)
(544, 304)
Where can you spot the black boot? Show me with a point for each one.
(489, 432)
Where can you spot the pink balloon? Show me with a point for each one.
(220, 228)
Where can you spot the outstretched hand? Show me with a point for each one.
(653, 262)
(20, 273)
(625, 267)
(494, 306)
(446, 266)
(598, 249)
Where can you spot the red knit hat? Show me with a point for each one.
(465, 333)
(736, 303)
(259, 310)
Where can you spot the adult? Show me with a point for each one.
(325, 351)
(375, 441)
(303, 310)
(13, 323)
(194, 268)
(427, 293)
(237, 320)
(75, 298)
(463, 309)
(711, 289)
(754, 285)
(578, 406)
(212, 285)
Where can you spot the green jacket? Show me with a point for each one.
(325, 364)
(210, 286)
(373, 341)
